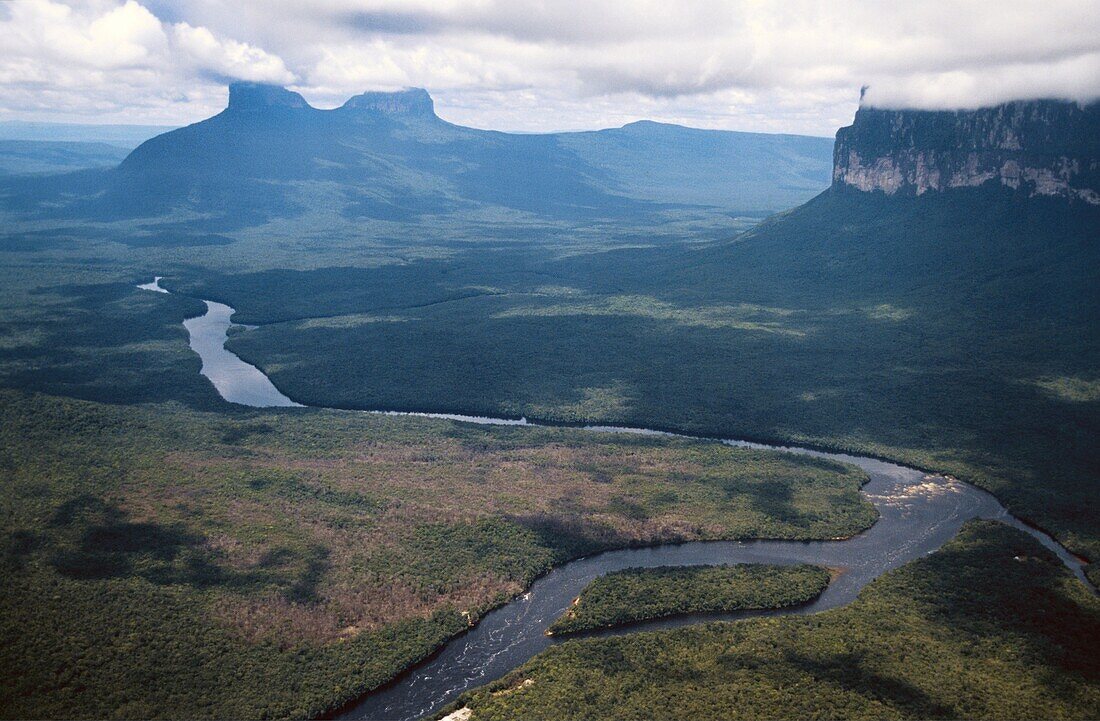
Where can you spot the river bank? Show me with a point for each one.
(918, 514)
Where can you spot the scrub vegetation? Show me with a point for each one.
(640, 594)
(991, 626)
(161, 561)
(955, 333)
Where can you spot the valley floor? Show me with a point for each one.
(168, 555)
(165, 562)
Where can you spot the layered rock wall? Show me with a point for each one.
(1042, 147)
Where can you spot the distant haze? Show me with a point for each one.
(533, 65)
(120, 135)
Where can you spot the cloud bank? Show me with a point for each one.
(795, 66)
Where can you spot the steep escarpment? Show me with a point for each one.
(413, 102)
(956, 327)
(1038, 148)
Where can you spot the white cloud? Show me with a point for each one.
(1073, 78)
(118, 61)
(233, 59)
(532, 64)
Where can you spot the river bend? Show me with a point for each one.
(918, 513)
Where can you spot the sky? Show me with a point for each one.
(542, 65)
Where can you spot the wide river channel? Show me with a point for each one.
(918, 513)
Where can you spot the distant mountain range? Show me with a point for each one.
(19, 157)
(388, 156)
(50, 148)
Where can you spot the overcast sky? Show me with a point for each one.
(547, 65)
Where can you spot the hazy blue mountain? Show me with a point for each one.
(19, 157)
(388, 156)
(672, 163)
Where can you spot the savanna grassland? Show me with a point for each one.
(639, 594)
(167, 562)
(991, 626)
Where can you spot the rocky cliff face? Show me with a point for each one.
(261, 97)
(414, 102)
(254, 97)
(1041, 147)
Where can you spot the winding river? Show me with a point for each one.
(918, 513)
